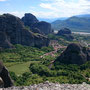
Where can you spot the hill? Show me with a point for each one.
(75, 23)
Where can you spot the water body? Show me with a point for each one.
(81, 33)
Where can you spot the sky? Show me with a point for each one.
(45, 8)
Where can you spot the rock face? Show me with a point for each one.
(44, 27)
(74, 54)
(36, 30)
(31, 21)
(13, 31)
(66, 33)
(4, 74)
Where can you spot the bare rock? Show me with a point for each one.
(74, 54)
(66, 33)
(29, 19)
(13, 31)
(44, 27)
(35, 26)
(4, 74)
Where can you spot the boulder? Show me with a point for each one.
(66, 33)
(29, 19)
(13, 31)
(74, 54)
(4, 74)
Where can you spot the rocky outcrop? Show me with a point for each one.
(29, 19)
(36, 30)
(4, 74)
(74, 54)
(32, 22)
(66, 33)
(44, 27)
(52, 86)
(13, 31)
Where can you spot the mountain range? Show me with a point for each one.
(79, 23)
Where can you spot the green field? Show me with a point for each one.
(19, 68)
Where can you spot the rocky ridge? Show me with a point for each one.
(13, 31)
(52, 86)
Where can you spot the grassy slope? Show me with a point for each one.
(20, 67)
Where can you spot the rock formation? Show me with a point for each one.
(66, 33)
(13, 31)
(36, 30)
(31, 21)
(44, 27)
(4, 74)
(74, 54)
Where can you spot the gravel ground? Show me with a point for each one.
(52, 86)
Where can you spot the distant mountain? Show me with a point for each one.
(84, 15)
(75, 23)
(52, 20)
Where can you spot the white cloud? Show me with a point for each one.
(63, 8)
(16, 13)
(47, 6)
(2, 0)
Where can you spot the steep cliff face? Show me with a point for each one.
(13, 31)
(31, 21)
(74, 54)
(43, 27)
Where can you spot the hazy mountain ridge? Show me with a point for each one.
(75, 23)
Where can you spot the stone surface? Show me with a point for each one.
(36, 30)
(29, 19)
(4, 74)
(66, 33)
(36, 26)
(74, 54)
(44, 27)
(52, 86)
(13, 31)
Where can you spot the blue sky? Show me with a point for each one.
(45, 8)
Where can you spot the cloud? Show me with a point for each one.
(16, 13)
(2, 0)
(62, 8)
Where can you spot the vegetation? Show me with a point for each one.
(26, 66)
(62, 73)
